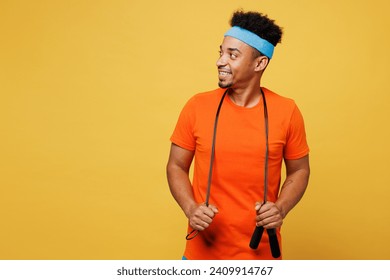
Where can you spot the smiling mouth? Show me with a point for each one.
(223, 73)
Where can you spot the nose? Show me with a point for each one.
(221, 61)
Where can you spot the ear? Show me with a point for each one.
(261, 63)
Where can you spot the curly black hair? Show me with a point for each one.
(259, 24)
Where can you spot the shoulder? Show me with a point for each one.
(281, 107)
(208, 96)
(205, 100)
(272, 97)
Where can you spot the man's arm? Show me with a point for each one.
(271, 215)
(200, 216)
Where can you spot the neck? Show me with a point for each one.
(248, 97)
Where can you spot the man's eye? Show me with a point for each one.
(233, 56)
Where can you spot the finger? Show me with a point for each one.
(263, 214)
(268, 215)
(198, 227)
(266, 206)
(276, 224)
(270, 222)
(268, 210)
(258, 206)
(209, 211)
(200, 224)
(202, 217)
(213, 208)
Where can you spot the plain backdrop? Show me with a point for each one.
(90, 92)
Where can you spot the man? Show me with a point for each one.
(223, 215)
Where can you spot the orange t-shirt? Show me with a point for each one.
(238, 171)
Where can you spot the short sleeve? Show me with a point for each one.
(183, 135)
(296, 144)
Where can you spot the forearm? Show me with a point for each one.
(292, 190)
(180, 187)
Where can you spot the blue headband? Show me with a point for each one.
(252, 40)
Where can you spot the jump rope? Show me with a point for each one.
(258, 232)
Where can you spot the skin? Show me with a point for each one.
(241, 71)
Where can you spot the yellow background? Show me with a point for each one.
(91, 91)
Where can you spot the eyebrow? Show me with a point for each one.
(231, 49)
(234, 49)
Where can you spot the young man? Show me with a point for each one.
(256, 130)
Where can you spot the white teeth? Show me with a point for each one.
(223, 73)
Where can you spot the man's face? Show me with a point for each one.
(236, 63)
